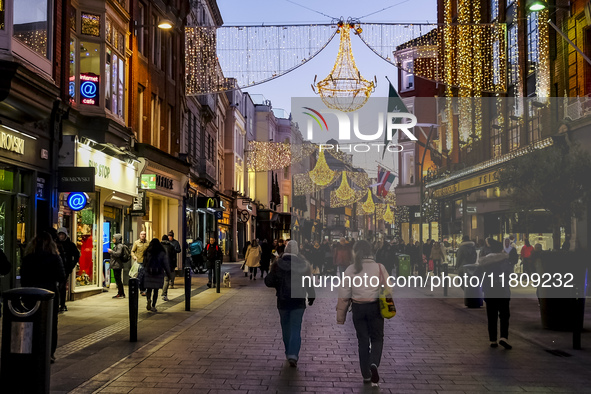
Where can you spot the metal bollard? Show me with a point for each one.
(133, 308)
(187, 288)
(26, 340)
(218, 275)
(445, 267)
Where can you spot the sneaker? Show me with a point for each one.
(154, 309)
(118, 296)
(208, 284)
(494, 344)
(293, 363)
(148, 307)
(375, 376)
(165, 298)
(503, 342)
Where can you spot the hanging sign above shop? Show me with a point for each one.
(211, 203)
(477, 182)
(77, 201)
(75, 179)
(138, 206)
(148, 181)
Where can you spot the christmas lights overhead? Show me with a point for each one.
(322, 175)
(268, 156)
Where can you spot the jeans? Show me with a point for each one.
(167, 283)
(149, 296)
(117, 274)
(211, 273)
(497, 309)
(369, 325)
(291, 327)
(63, 291)
(436, 267)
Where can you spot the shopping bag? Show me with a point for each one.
(134, 270)
(387, 306)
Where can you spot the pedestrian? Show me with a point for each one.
(466, 254)
(173, 261)
(526, 262)
(196, 252)
(497, 292)
(156, 268)
(117, 264)
(509, 248)
(316, 258)
(212, 253)
(485, 249)
(70, 260)
(137, 254)
(342, 255)
(42, 267)
(291, 301)
(385, 256)
(280, 247)
(253, 258)
(266, 256)
(170, 253)
(364, 301)
(566, 244)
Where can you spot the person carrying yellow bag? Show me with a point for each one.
(367, 308)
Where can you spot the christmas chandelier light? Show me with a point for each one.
(345, 192)
(388, 215)
(369, 206)
(322, 175)
(344, 88)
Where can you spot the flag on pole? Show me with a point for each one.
(388, 181)
(395, 104)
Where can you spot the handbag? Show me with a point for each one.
(387, 307)
(431, 265)
(134, 270)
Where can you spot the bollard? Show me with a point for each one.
(578, 317)
(133, 308)
(445, 267)
(187, 288)
(26, 340)
(218, 275)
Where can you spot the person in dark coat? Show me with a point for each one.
(117, 264)
(70, 260)
(266, 257)
(212, 253)
(173, 261)
(291, 301)
(156, 268)
(466, 254)
(42, 267)
(385, 257)
(170, 254)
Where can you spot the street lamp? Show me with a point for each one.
(164, 24)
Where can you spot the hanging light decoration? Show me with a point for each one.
(322, 175)
(369, 206)
(388, 215)
(344, 88)
(345, 192)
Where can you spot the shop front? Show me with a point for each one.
(24, 195)
(96, 189)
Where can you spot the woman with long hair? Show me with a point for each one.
(253, 258)
(367, 318)
(42, 267)
(156, 265)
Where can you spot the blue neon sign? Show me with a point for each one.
(77, 201)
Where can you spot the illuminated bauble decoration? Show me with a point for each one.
(369, 206)
(322, 175)
(388, 215)
(344, 192)
(344, 88)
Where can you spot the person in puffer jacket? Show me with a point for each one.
(497, 293)
(117, 264)
(286, 278)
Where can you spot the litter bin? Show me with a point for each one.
(26, 340)
(403, 265)
(472, 294)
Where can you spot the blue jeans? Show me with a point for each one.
(291, 326)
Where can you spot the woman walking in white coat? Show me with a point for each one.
(253, 258)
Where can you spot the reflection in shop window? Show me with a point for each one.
(85, 238)
(90, 70)
(31, 24)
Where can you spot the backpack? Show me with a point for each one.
(125, 255)
(196, 248)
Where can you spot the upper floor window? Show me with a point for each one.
(513, 134)
(31, 24)
(512, 55)
(494, 10)
(91, 24)
(532, 42)
(495, 139)
(408, 78)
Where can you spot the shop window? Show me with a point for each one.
(91, 24)
(90, 72)
(31, 24)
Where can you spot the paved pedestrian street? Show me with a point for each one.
(231, 342)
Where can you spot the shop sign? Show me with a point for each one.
(75, 179)
(12, 143)
(148, 181)
(77, 201)
(138, 205)
(110, 172)
(476, 182)
(212, 203)
(164, 182)
(89, 89)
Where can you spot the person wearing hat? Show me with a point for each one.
(177, 249)
(70, 257)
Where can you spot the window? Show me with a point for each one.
(140, 113)
(408, 78)
(169, 53)
(495, 139)
(156, 42)
(512, 55)
(513, 134)
(91, 25)
(72, 91)
(142, 32)
(494, 9)
(496, 62)
(155, 123)
(533, 126)
(73, 18)
(169, 136)
(31, 24)
(90, 72)
(114, 70)
(532, 42)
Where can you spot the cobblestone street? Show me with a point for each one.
(232, 342)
